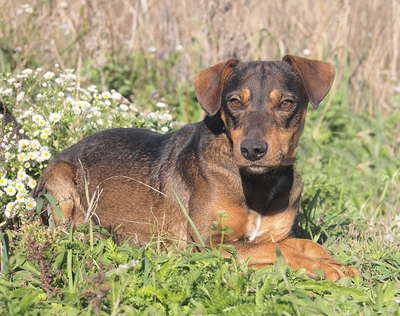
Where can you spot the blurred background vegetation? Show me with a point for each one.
(139, 46)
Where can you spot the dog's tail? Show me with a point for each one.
(9, 118)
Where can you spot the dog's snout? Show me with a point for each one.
(253, 149)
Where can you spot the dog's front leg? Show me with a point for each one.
(298, 253)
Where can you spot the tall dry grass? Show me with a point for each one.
(360, 37)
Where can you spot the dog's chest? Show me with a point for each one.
(261, 228)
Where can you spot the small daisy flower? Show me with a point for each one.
(21, 157)
(42, 122)
(37, 118)
(161, 105)
(27, 165)
(70, 100)
(3, 181)
(100, 122)
(21, 175)
(60, 94)
(48, 75)
(116, 96)
(39, 69)
(124, 107)
(76, 110)
(397, 219)
(164, 129)
(27, 71)
(23, 144)
(9, 208)
(35, 143)
(167, 117)
(20, 96)
(10, 190)
(54, 117)
(19, 186)
(152, 116)
(32, 183)
(45, 154)
(106, 94)
(20, 197)
(43, 135)
(30, 203)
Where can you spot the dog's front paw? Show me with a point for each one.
(344, 270)
(333, 270)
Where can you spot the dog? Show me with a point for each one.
(239, 159)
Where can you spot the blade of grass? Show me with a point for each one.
(190, 220)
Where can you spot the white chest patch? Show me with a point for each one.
(255, 232)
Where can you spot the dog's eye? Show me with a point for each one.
(286, 104)
(236, 103)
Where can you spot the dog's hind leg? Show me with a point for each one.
(59, 180)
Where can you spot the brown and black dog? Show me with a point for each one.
(238, 159)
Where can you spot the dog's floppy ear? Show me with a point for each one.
(317, 76)
(209, 83)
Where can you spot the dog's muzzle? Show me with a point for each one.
(253, 149)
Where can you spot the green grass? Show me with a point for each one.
(350, 167)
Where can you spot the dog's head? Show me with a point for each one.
(263, 105)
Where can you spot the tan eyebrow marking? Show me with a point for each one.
(245, 95)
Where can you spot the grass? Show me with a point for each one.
(348, 153)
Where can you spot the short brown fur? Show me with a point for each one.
(239, 160)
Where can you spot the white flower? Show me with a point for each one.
(10, 190)
(100, 122)
(306, 52)
(27, 165)
(30, 203)
(20, 96)
(11, 80)
(37, 117)
(9, 208)
(27, 71)
(3, 181)
(397, 219)
(106, 94)
(60, 94)
(116, 96)
(29, 10)
(20, 197)
(39, 69)
(45, 154)
(161, 105)
(42, 122)
(21, 157)
(167, 117)
(152, 116)
(164, 129)
(54, 117)
(179, 47)
(32, 183)
(124, 107)
(43, 135)
(76, 110)
(23, 144)
(35, 144)
(152, 49)
(19, 186)
(48, 75)
(83, 104)
(21, 175)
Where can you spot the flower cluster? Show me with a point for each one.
(56, 113)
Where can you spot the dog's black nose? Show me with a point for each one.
(253, 149)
